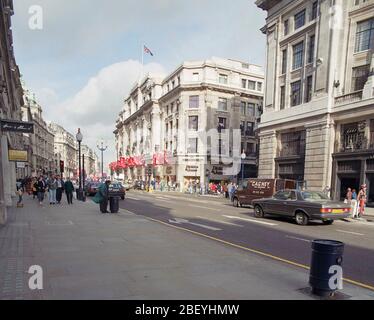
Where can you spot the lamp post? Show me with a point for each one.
(101, 147)
(243, 156)
(79, 138)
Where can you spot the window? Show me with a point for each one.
(192, 145)
(251, 109)
(314, 10)
(173, 84)
(284, 61)
(250, 148)
(193, 123)
(308, 88)
(298, 54)
(282, 97)
(359, 77)
(244, 83)
(295, 93)
(223, 78)
(179, 80)
(222, 123)
(282, 195)
(251, 85)
(311, 49)
(243, 106)
(168, 88)
(167, 129)
(259, 86)
(194, 102)
(249, 131)
(285, 27)
(222, 104)
(195, 76)
(167, 110)
(299, 19)
(242, 128)
(364, 35)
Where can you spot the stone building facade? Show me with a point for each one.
(318, 121)
(170, 116)
(89, 161)
(11, 100)
(65, 146)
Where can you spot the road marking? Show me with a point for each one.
(192, 205)
(251, 220)
(127, 197)
(180, 221)
(220, 221)
(359, 284)
(355, 233)
(295, 238)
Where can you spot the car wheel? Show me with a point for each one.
(327, 222)
(235, 202)
(301, 219)
(259, 213)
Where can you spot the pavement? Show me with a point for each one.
(87, 255)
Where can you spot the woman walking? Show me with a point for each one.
(361, 200)
(40, 188)
(52, 187)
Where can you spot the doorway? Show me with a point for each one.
(348, 182)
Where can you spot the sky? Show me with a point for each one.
(87, 56)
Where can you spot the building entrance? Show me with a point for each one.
(348, 182)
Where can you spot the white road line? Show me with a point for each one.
(180, 221)
(251, 220)
(355, 233)
(296, 238)
(220, 221)
(195, 206)
(131, 198)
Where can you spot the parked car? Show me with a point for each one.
(117, 189)
(91, 188)
(252, 189)
(303, 206)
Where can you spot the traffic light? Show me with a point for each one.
(61, 166)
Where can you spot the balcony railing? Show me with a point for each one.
(293, 148)
(350, 97)
(355, 142)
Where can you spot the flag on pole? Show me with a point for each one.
(147, 50)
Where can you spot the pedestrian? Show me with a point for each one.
(52, 187)
(60, 189)
(226, 190)
(41, 188)
(69, 188)
(361, 200)
(354, 203)
(230, 190)
(19, 192)
(35, 188)
(101, 196)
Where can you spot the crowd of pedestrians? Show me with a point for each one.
(53, 186)
(357, 201)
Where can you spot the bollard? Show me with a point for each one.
(325, 254)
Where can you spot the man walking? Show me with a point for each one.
(52, 187)
(69, 188)
(60, 189)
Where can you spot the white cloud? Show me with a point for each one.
(95, 107)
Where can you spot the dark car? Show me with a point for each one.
(302, 206)
(117, 189)
(91, 188)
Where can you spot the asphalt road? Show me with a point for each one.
(278, 237)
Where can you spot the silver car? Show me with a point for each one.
(303, 206)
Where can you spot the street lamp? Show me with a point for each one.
(101, 147)
(79, 138)
(243, 156)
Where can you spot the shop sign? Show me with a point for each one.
(17, 155)
(17, 126)
(21, 165)
(192, 168)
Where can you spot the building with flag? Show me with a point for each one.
(165, 119)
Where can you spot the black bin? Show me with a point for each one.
(114, 204)
(325, 253)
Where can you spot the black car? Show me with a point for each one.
(302, 205)
(91, 188)
(117, 189)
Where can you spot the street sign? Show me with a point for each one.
(17, 126)
(21, 165)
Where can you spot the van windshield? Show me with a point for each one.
(313, 196)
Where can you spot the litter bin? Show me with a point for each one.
(325, 254)
(114, 204)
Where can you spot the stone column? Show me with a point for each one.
(318, 160)
(268, 150)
